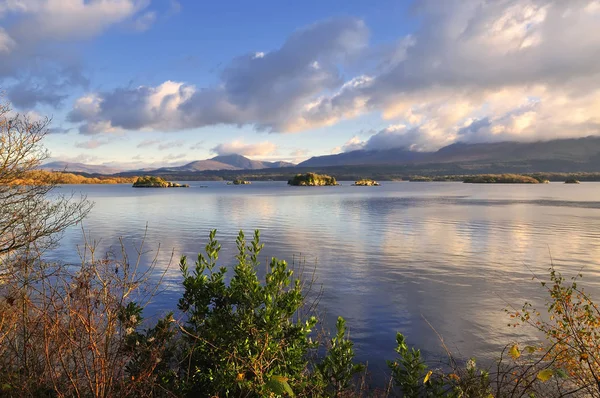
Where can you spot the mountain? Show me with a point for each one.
(244, 163)
(223, 162)
(575, 150)
(226, 162)
(201, 165)
(78, 168)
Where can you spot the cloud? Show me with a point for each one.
(298, 153)
(160, 144)
(36, 66)
(239, 147)
(132, 109)
(473, 70)
(174, 7)
(353, 144)
(529, 68)
(144, 21)
(147, 143)
(170, 144)
(81, 158)
(198, 145)
(66, 20)
(266, 89)
(90, 144)
(6, 42)
(58, 130)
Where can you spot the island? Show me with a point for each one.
(365, 183)
(238, 182)
(312, 179)
(420, 179)
(156, 182)
(501, 179)
(571, 181)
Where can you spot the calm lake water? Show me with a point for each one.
(386, 257)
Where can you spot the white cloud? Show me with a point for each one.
(474, 70)
(197, 146)
(170, 144)
(36, 67)
(353, 144)
(70, 19)
(147, 143)
(90, 144)
(268, 90)
(142, 107)
(239, 147)
(6, 42)
(516, 69)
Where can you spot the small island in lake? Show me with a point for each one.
(156, 182)
(312, 179)
(571, 181)
(501, 179)
(366, 183)
(420, 179)
(239, 182)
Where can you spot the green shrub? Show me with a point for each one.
(338, 367)
(245, 337)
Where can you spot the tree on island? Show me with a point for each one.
(312, 179)
(156, 182)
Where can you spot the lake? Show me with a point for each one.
(387, 258)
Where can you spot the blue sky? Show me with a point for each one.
(150, 82)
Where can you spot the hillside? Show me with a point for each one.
(78, 168)
(225, 162)
(577, 150)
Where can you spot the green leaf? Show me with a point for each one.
(280, 386)
(545, 375)
(530, 349)
(561, 373)
(514, 352)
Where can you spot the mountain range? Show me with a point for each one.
(579, 150)
(564, 155)
(227, 162)
(222, 162)
(74, 167)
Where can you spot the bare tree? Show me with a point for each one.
(31, 216)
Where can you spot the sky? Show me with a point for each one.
(132, 83)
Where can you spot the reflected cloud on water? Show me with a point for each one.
(386, 257)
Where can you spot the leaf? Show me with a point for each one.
(427, 376)
(561, 373)
(530, 349)
(280, 386)
(514, 352)
(545, 375)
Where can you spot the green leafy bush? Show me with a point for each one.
(243, 337)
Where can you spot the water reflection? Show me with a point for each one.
(386, 257)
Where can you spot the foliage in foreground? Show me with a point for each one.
(80, 332)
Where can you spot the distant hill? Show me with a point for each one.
(223, 162)
(79, 168)
(577, 150)
(244, 163)
(226, 162)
